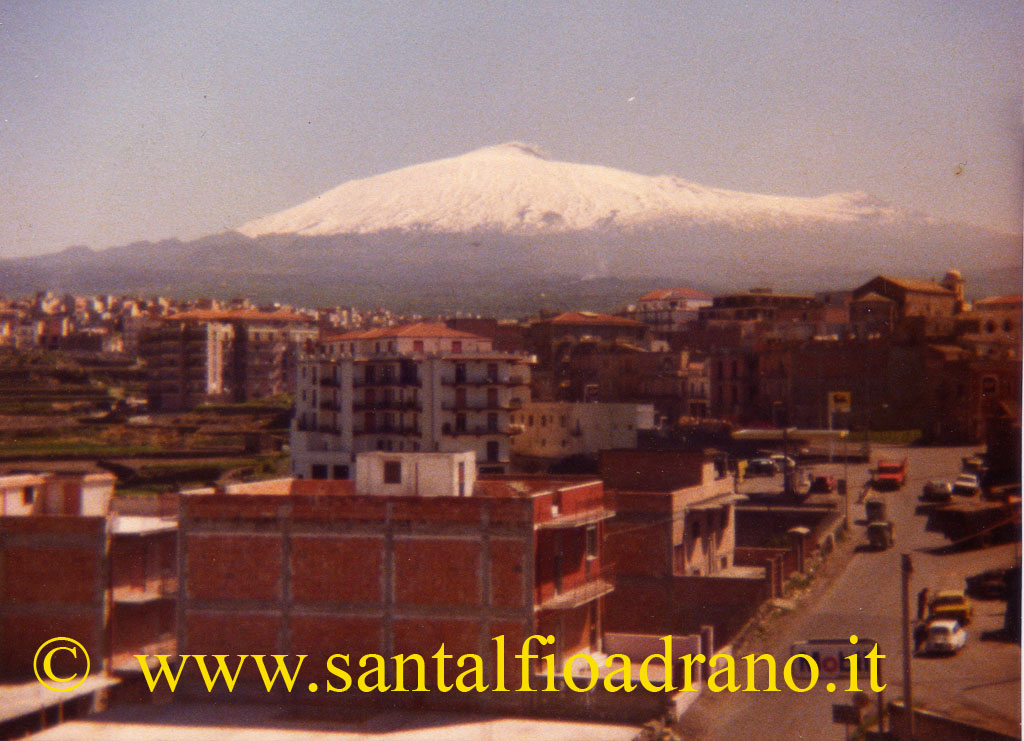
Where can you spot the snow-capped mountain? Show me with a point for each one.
(504, 229)
(514, 188)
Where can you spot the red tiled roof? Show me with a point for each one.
(681, 292)
(212, 315)
(921, 286)
(999, 301)
(424, 330)
(587, 317)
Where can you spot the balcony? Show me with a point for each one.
(389, 381)
(330, 406)
(596, 586)
(398, 405)
(486, 381)
(329, 382)
(452, 406)
(577, 519)
(151, 589)
(451, 431)
(392, 430)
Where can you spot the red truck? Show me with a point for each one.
(890, 474)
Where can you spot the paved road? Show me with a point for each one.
(981, 683)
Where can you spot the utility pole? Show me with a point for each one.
(907, 568)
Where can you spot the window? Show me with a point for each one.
(392, 472)
(28, 495)
(492, 372)
(456, 346)
(989, 384)
(417, 345)
(460, 422)
(492, 422)
(592, 541)
(319, 471)
(695, 529)
(341, 472)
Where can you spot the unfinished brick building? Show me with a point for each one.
(68, 567)
(324, 567)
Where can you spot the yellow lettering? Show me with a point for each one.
(625, 670)
(592, 668)
(282, 670)
(751, 659)
(477, 671)
(421, 672)
(787, 673)
(439, 656)
(340, 673)
(380, 685)
(729, 670)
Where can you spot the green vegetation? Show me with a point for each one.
(158, 477)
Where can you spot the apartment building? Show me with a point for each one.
(554, 430)
(669, 309)
(213, 355)
(673, 540)
(414, 388)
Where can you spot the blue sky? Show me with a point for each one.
(124, 121)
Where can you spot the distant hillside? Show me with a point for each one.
(503, 229)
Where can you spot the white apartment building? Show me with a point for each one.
(552, 430)
(415, 388)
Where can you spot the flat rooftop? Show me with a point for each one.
(266, 722)
(509, 487)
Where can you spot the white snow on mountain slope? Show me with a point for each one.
(514, 188)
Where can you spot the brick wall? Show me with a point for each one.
(355, 575)
(53, 578)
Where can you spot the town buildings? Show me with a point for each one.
(213, 355)
(413, 388)
(555, 430)
(669, 310)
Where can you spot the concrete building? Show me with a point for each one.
(673, 541)
(414, 388)
(763, 305)
(554, 430)
(213, 355)
(669, 309)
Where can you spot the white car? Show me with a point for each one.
(945, 637)
(784, 462)
(966, 484)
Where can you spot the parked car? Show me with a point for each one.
(945, 637)
(880, 535)
(823, 485)
(783, 462)
(966, 485)
(762, 467)
(989, 584)
(890, 474)
(937, 491)
(951, 604)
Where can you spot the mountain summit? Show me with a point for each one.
(505, 229)
(513, 188)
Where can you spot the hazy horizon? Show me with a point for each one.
(124, 123)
